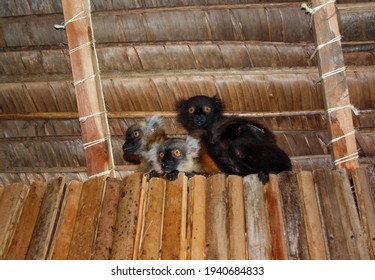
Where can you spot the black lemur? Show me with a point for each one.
(236, 145)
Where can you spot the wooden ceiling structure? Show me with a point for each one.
(255, 55)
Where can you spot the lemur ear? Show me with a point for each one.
(192, 146)
(218, 104)
(153, 123)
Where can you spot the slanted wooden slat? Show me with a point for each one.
(366, 207)
(294, 219)
(65, 227)
(43, 231)
(277, 227)
(334, 234)
(25, 226)
(81, 246)
(11, 204)
(88, 89)
(217, 241)
(151, 234)
(174, 223)
(140, 217)
(197, 218)
(107, 222)
(127, 218)
(257, 225)
(335, 87)
(355, 239)
(315, 237)
(236, 218)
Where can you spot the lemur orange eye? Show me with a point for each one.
(161, 154)
(136, 133)
(177, 153)
(207, 109)
(191, 110)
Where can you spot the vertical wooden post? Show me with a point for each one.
(91, 108)
(335, 88)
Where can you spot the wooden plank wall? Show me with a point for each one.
(297, 215)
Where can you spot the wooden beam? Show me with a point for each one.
(335, 88)
(88, 88)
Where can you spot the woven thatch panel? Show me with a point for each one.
(24, 7)
(283, 23)
(178, 56)
(246, 91)
(68, 152)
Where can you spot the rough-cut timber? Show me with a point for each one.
(334, 235)
(277, 227)
(294, 219)
(85, 228)
(335, 87)
(174, 222)
(66, 221)
(127, 218)
(315, 237)
(217, 242)
(257, 225)
(197, 218)
(366, 207)
(25, 226)
(236, 218)
(88, 88)
(152, 230)
(46, 221)
(11, 204)
(355, 238)
(107, 222)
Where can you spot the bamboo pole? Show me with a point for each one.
(127, 218)
(65, 227)
(334, 84)
(90, 99)
(259, 243)
(25, 226)
(277, 227)
(197, 218)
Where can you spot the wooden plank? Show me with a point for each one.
(197, 218)
(277, 227)
(152, 230)
(335, 87)
(315, 236)
(366, 207)
(127, 217)
(217, 237)
(88, 89)
(107, 222)
(25, 226)
(174, 223)
(84, 233)
(11, 204)
(257, 225)
(294, 219)
(43, 231)
(371, 177)
(355, 239)
(236, 218)
(65, 227)
(334, 235)
(140, 218)
(1, 190)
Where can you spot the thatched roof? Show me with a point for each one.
(255, 56)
